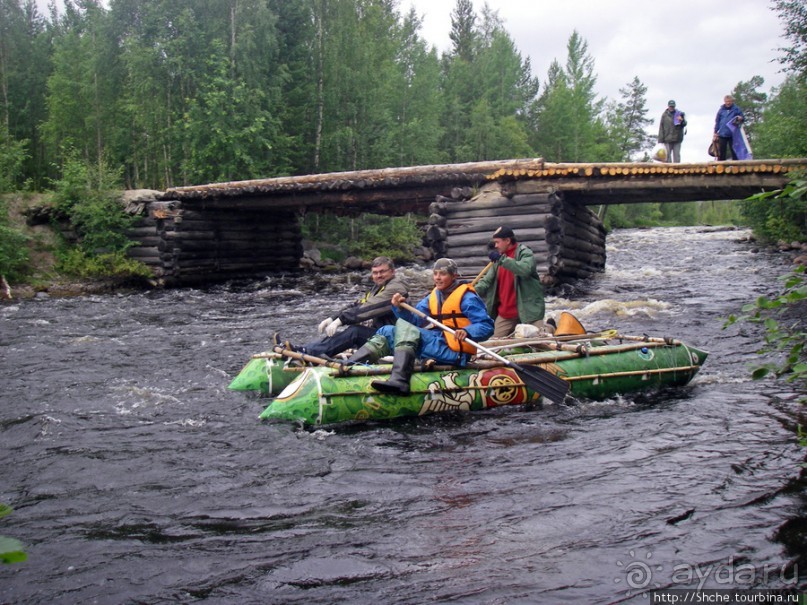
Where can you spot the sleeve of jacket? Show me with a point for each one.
(422, 306)
(481, 327)
(523, 265)
(375, 306)
(484, 284)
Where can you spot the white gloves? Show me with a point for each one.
(329, 326)
(332, 327)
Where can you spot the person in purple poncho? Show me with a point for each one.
(728, 115)
(671, 131)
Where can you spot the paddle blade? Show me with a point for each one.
(543, 382)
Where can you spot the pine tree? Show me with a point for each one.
(463, 30)
(627, 122)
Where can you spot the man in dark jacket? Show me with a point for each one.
(671, 131)
(362, 318)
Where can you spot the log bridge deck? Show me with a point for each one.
(222, 231)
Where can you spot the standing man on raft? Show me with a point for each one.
(512, 289)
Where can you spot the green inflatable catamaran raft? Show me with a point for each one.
(316, 392)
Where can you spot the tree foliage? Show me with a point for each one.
(783, 130)
(12, 157)
(752, 100)
(569, 126)
(627, 121)
(87, 196)
(488, 89)
(781, 214)
(785, 331)
(181, 92)
(14, 259)
(24, 67)
(368, 235)
(793, 14)
(11, 550)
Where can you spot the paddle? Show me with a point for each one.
(307, 358)
(538, 379)
(481, 273)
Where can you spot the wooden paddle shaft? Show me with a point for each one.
(481, 273)
(434, 322)
(308, 358)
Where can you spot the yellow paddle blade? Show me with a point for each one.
(568, 325)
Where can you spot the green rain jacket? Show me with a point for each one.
(529, 290)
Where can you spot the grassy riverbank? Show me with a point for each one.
(42, 245)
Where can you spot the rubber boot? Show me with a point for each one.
(371, 351)
(403, 363)
(363, 354)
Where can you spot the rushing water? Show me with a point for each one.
(137, 477)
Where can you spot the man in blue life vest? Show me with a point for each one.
(361, 318)
(452, 304)
(512, 288)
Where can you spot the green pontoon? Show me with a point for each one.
(596, 367)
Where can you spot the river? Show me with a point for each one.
(137, 477)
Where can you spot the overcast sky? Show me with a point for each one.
(692, 51)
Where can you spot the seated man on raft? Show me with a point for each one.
(452, 304)
(361, 318)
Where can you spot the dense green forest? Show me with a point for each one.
(178, 92)
(162, 93)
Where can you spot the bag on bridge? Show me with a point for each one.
(712, 151)
(660, 153)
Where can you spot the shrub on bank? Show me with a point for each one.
(14, 257)
(116, 265)
(87, 196)
(779, 215)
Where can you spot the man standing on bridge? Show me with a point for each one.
(729, 118)
(671, 131)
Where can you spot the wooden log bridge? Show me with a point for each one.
(220, 231)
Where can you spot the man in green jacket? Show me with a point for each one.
(671, 130)
(512, 290)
